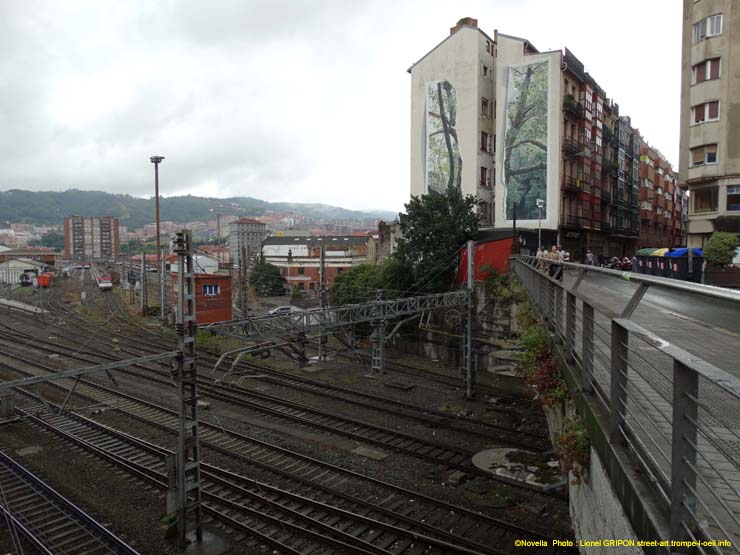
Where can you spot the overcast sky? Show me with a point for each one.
(304, 101)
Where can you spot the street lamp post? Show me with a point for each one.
(540, 205)
(156, 160)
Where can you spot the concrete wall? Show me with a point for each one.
(596, 513)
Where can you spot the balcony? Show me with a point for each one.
(572, 222)
(570, 185)
(571, 146)
(597, 191)
(572, 107)
(596, 224)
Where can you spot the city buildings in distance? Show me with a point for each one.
(91, 237)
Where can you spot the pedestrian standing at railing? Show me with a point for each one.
(542, 258)
(589, 258)
(554, 259)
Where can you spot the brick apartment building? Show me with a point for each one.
(91, 237)
(663, 205)
(298, 257)
(247, 234)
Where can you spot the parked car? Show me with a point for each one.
(281, 310)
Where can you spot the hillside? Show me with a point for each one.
(50, 207)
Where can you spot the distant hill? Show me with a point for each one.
(50, 208)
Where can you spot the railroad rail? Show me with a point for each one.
(268, 512)
(47, 519)
(392, 502)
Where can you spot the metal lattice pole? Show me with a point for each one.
(188, 450)
(468, 337)
(322, 302)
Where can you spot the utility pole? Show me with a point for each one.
(144, 293)
(322, 302)
(156, 160)
(218, 238)
(540, 205)
(468, 337)
(187, 463)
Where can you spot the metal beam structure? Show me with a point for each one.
(24, 382)
(468, 336)
(341, 316)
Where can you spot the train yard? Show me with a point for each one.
(317, 461)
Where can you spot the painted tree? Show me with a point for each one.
(444, 163)
(525, 144)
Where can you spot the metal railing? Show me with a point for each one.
(677, 416)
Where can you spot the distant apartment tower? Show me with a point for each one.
(91, 237)
(247, 234)
(452, 117)
(710, 128)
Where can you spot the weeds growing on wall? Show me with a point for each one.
(538, 365)
(574, 449)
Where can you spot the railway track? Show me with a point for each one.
(436, 452)
(287, 519)
(47, 520)
(508, 434)
(318, 479)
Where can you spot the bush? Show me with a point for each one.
(720, 248)
(267, 280)
(295, 293)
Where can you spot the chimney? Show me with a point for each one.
(469, 21)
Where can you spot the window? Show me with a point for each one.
(704, 200)
(701, 155)
(708, 27)
(311, 286)
(340, 270)
(484, 108)
(301, 270)
(484, 141)
(484, 177)
(733, 199)
(485, 72)
(707, 70)
(707, 111)
(211, 290)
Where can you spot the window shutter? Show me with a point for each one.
(698, 113)
(714, 110)
(697, 156)
(714, 68)
(701, 72)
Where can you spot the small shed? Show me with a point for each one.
(212, 297)
(12, 269)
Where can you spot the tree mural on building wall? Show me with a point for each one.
(443, 160)
(525, 142)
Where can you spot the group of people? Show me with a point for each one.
(550, 260)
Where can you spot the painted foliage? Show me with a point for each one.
(525, 141)
(443, 160)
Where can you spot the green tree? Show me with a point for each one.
(52, 240)
(720, 248)
(295, 293)
(360, 283)
(267, 281)
(434, 228)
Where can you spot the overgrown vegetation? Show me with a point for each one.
(720, 248)
(574, 449)
(295, 293)
(361, 283)
(539, 366)
(214, 343)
